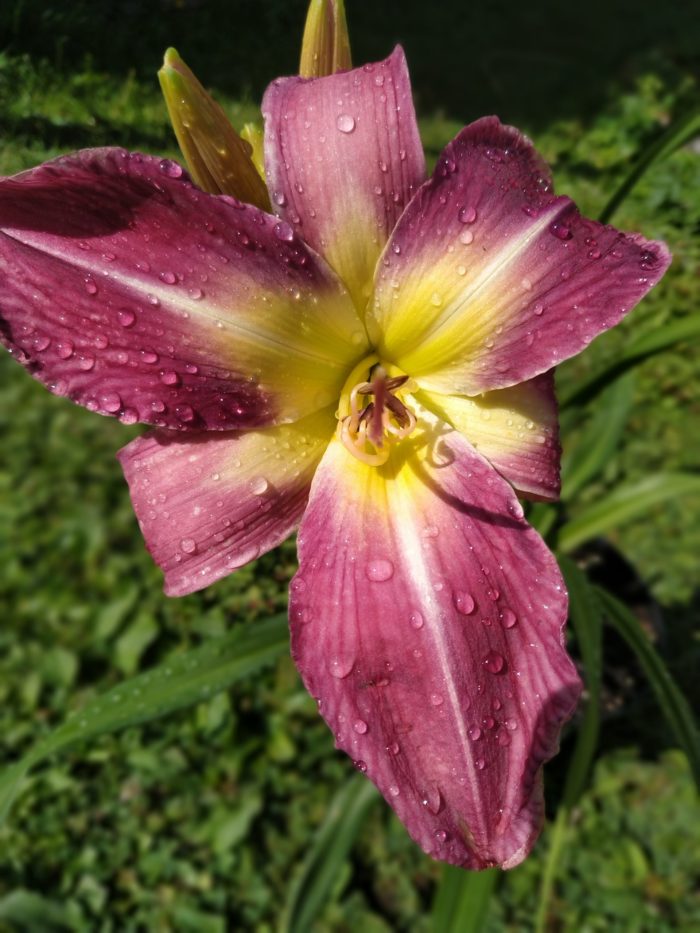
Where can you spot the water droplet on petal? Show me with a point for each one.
(360, 726)
(432, 800)
(416, 620)
(511, 725)
(466, 237)
(360, 765)
(341, 667)
(494, 662)
(111, 402)
(378, 571)
(126, 317)
(464, 602)
(394, 790)
(466, 215)
(184, 413)
(86, 363)
(188, 545)
(474, 733)
(345, 123)
(258, 485)
(279, 198)
(508, 618)
(169, 378)
(168, 277)
(283, 231)
(90, 286)
(539, 308)
(170, 168)
(480, 764)
(560, 230)
(436, 699)
(441, 836)
(64, 349)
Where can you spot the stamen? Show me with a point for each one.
(367, 432)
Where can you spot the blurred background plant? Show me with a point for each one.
(234, 812)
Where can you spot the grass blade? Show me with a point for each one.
(644, 347)
(462, 899)
(586, 619)
(678, 133)
(309, 891)
(624, 504)
(672, 703)
(187, 679)
(599, 439)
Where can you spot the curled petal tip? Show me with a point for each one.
(216, 156)
(326, 45)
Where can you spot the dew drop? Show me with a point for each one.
(441, 836)
(86, 363)
(64, 349)
(41, 342)
(461, 270)
(360, 765)
(508, 618)
(394, 790)
(111, 402)
(432, 800)
(170, 168)
(188, 545)
(258, 485)
(493, 662)
(511, 725)
(416, 620)
(466, 215)
(169, 378)
(379, 571)
(436, 699)
(184, 413)
(393, 749)
(503, 738)
(168, 277)
(360, 726)
(90, 286)
(474, 733)
(464, 602)
(466, 237)
(148, 356)
(436, 299)
(345, 123)
(279, 198)
(480, 764)
(283, 231)
(539, 308)
(340, 667)
(560, 230)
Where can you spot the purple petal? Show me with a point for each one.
(490, 280)
(343, 158)
(210, 503)
(427, 621)
(136, 294)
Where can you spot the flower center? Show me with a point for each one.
(372, 415)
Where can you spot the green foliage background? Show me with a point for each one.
(200, 821)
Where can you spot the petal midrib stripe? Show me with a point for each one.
(178, 302)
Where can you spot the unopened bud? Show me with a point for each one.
(217, 158)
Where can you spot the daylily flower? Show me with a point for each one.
(372, 364)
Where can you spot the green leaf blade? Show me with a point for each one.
(187, 679)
